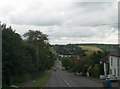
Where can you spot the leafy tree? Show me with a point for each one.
(36, 37)
(40, 41)
(67, 63)
(69, 49)
(11, 63)
(19, 56)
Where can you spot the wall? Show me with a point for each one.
(114, 67)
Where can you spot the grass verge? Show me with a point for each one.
(41, 82)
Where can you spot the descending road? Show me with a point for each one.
(60, 78)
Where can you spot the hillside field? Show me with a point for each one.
(90, 49)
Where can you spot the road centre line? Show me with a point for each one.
(64, 80)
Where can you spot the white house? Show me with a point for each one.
(114, 64)
(111, 65)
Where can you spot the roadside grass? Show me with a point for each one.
(21, 80)
(38, 83)
(41, 82)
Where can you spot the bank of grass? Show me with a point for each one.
(42, 81)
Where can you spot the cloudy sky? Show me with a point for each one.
(65, 21)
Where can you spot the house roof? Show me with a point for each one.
(115, 52)
(105, 59)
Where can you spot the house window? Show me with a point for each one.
(111, 61)
(118, 72)
(110, 71)
(115, 72)
(118, 62)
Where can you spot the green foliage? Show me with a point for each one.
(90, 68)
(42, 80)
(96, 57)
(88, 63)
(101, 66)
(20, 56)
(67, 63)
(69, 49)
(95, 69)
(85, 67)
(95, 72)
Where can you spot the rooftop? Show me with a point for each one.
(115, 52)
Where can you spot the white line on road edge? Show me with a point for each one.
(64, 80)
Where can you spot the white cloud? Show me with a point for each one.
(64, 21)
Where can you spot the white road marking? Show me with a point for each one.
(64, 80)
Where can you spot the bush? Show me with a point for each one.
(85, 67)
(89, 69)
(95, 72)
(67, 63)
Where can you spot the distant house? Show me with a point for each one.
(64, 56)
(112, 64)
(68, 56)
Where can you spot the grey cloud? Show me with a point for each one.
(37, 18)
(66, 22)
(36, 21)
(96, 0)
(72, 32)
(74, 14)
(105, 15)
(91, 6)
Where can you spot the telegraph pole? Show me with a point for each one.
(37, 60)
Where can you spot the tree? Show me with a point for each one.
(40, 41)
(36, 37)
(67, 63)
(19, 56)
(69, 49)
(10, 48)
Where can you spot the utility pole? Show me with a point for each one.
(37, 60)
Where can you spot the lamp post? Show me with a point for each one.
(37, 59)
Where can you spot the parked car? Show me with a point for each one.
(110, 77)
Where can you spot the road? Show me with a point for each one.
(60, 78)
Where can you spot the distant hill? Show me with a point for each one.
(69, 49)
(104, 47)
(90, 48)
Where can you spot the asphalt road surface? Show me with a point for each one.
(60, 78)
